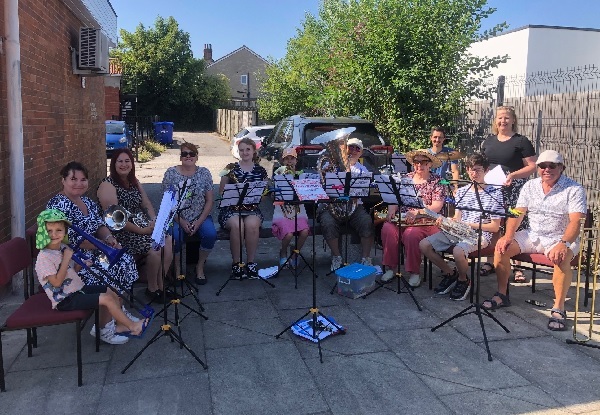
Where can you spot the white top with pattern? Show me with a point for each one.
(201, 183)
(549, 213)
(491, 201)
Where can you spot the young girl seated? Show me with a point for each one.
(284, 221)
(57, 274)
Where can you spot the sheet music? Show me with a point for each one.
(283, 186)
(406, 190)
(495, 176)
(309, 189)
(167, 205)
(232, 192)
(314, 176)
(359, 184)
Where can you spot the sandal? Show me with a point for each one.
(486, 269)
(494, 304)
(518, 276)
(562, 321)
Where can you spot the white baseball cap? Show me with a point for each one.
(355, 142)
(550, 156)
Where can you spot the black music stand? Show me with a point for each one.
(317, 327)
(401, 194)
(475, 307)
(169, 206)
(238, 195)
(285, 194)
(342, 187)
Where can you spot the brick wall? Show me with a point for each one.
(62, 120)
(112, 103)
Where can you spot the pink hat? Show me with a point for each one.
(289, 152)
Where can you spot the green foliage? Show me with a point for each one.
(402, 64)
(154, 147)
(144, 155)
(159, 66)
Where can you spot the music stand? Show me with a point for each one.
(238, 195)
(285, 194)
(316, 325)
(475, 307)
(342, 187)
(403, 194)
(168, 208)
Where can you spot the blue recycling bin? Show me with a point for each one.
(163, 132)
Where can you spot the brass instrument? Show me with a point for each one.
(421, 220)
(587, 236)
(289, 211)
(457, 230)
(334, 160)
(116, 218)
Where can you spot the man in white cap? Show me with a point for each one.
(359, 220)
(555, 204)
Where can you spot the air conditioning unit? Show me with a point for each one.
(93, 50)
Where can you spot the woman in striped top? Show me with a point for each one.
(245, 171)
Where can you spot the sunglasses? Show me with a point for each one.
(188, 154)
(550, 166)
(422, 161)
(354, 148)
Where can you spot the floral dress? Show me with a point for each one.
(131, 199)
(124, 273)
(201, 182)
(258, 173)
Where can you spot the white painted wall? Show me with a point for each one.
(538, 49)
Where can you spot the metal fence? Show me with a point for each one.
(557, 110)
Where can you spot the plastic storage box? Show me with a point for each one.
(355, 280)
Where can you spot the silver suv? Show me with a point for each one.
(297, 132)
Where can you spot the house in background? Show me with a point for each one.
(549, 50)
(242, 68)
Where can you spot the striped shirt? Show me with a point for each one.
(470, 209)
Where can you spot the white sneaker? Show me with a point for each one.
(109, 324)
(107, 335)
(414, 280)
(129, 315)
(388, 275)
(367, 261)
(336, 262)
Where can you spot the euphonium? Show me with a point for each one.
(458, 230)
(334, 160)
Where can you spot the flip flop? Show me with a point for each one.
(145, 324)
(518, 276)
(489, 268)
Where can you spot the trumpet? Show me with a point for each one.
(587, 236)
(116, 217)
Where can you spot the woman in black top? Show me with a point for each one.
(515, 153)
(246, 170)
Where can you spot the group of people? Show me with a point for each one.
(552, 204)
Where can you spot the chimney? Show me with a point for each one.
(208, 54)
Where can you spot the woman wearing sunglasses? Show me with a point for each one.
(194, 216)
(515, 153)
(432, 194)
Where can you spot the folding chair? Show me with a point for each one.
(36, 310)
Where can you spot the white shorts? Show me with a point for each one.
(441, 242)
(528, 246)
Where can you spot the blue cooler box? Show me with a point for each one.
(355, 280)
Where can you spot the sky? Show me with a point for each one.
(265, 26)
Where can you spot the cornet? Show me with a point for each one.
(116, 218)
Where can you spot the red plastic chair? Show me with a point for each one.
(36, 310)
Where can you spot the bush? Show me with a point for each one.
(144, 155)
(154, 147)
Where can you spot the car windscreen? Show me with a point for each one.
(242, 133)
(114, 129)
(263, 132)
(365, 132)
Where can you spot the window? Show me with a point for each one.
(244, 79)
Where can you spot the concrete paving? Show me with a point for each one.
(389, 361)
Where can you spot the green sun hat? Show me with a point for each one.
(42, 239)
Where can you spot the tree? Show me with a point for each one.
(158, 66)
(401, 63)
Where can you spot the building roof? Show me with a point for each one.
(244, 47)
(541, 26)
